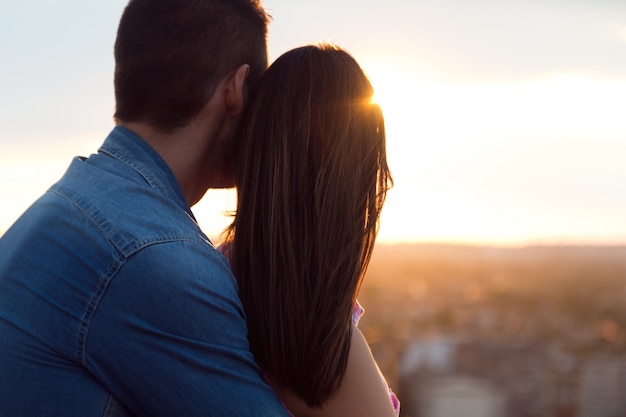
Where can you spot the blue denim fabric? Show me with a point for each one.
(114, 303)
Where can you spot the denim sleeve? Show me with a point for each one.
(168, 338)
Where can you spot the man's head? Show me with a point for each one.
(171, 54)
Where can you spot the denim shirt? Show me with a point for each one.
(114, 303)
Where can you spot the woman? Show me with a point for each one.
(312, 178)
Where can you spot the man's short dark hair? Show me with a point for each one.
(170, 55)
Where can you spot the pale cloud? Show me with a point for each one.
(467, 41)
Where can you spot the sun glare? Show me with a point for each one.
(481, 162)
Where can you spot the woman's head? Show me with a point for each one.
(312, 178)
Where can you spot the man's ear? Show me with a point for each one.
(234, 96)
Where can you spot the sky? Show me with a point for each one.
(506, 119)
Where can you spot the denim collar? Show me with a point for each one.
(130, 149)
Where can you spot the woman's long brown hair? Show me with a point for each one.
(312, 178)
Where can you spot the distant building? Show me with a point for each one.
(465, 396)
(435, 354)
(504, 379)
(603, 387)
(560, 393)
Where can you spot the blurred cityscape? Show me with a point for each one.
(499, 332)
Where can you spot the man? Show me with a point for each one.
(112, 301)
